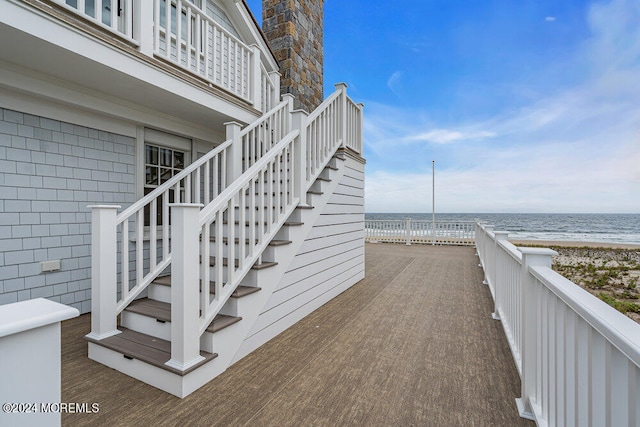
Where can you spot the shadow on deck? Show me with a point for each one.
(412, 344)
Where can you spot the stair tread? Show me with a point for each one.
(148, 349)
(322, 178)
(314, 192)
(240, 291)
(162, 311)
(256, 266)
(293, 223)
(274, 242)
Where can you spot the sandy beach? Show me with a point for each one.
(566, 244)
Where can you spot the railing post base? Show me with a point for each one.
(528, 377)
(185, 289)
(524, 410)
(104, 291)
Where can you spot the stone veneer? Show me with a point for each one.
(294, 29)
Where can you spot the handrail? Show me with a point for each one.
(577, 356)
(259, 137)
(323, 135)
(263, 216)
(197, 183)
(200, 182)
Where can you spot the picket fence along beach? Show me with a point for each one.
(605, 228)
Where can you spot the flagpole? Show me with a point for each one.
(433, 202)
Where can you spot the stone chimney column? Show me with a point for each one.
(295, 32)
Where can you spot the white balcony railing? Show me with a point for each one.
(420, 232)
(578, 358)
(180, 32)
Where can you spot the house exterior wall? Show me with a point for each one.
(330, 261)
(50, 171)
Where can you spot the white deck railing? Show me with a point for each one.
(184, 35)
(578, 358)
(420, 232)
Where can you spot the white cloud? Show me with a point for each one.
(445, 136)
(393, 83)
(550, 19)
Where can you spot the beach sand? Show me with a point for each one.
(547, 243)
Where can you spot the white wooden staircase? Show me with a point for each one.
(193, 291)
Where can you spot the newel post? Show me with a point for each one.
(234, 156)
(255, 78)
(299, 121)
(498, 280)
(104, 287)
(342, 87)
(143, 27)
(185, 289)
(407, 231)
(274, 76)
(488, 251)
(531, 257)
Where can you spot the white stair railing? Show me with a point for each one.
(239, 220)
(235, 228)
(131, 249)
(578, 357)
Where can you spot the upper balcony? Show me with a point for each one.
(203, 60)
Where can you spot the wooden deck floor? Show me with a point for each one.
(413, 344)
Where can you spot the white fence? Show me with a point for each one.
(578, 358)
(420, 232)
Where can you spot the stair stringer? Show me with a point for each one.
(227, 345)
(345, 255)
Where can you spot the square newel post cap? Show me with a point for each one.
(340, 86)
(537, 256)
(501, 235)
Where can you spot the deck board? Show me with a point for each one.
(412, 344)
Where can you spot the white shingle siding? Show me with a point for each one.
(49, 172)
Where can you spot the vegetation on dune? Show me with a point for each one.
(612, 275)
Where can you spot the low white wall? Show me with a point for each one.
(30, 360)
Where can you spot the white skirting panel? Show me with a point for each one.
(330, 261)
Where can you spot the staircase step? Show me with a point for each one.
(315, 192)
(148, 349)
(256, 266)
(274, 242)
(161, 311)
(322, 178)
(240, 291)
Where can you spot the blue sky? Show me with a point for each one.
(525, 106)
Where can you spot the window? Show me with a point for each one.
(162, 156)
(160, 165)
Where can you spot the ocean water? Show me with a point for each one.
(611, 228)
